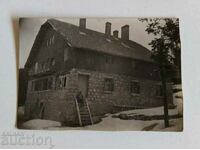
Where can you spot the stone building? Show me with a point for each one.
(112, 73)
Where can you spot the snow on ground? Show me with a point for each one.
(178, 101)
(150, 111)
(175, 125)
(20, 111)
(178, 98)
(177, 86)
(40, 124)
(115, 124)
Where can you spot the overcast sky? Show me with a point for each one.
(29, 28)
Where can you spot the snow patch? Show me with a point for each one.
(40, 124)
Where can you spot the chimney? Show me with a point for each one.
(125, 32)
(108, 28)
(82, 23)
(115, 33)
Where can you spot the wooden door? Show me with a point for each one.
(83, 84)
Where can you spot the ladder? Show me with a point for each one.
(84, 114)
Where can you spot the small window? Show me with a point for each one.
(50, 83)
(159, 91)
(62, 82)
(36, 67)
(133, 64)
(135, 87)
(42, 84)
(47, 43)
(52, 40)
(38, 85)
(109, 59)
(48, 63)
(42, 67)
(53, 61)
(66, 54)
(108, 85)
(45, 84)
(65, 80)
(32, 85)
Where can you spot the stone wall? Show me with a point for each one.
(60, 105)
(102, 102)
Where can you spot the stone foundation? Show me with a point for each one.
(59, 104)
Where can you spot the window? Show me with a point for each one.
(32, 85)
(42, 84)
(36, 67)
(45, 81)
(109, 59)
(42, 67)
(38, 85)
(53, 61)
(50, 83)
(66, 54)
(47, 43)
(62, 81)
(133, 64)
(159, 91)
(135, 87)
(50, 41)
(108, 85)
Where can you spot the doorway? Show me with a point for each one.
(83, 84)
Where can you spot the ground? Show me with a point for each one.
(112, 123)
(109, 123)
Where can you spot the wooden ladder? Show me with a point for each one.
(84, 114)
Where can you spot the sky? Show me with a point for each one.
(29, 28)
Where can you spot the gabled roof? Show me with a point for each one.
(93, 40)
(89, 39)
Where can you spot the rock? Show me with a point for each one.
(123, 116)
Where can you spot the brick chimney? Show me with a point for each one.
(125, 32)
(108, 28)
(115, 33)
(82, 23)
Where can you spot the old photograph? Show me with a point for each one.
(120, 74)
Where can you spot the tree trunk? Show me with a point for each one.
(164, 91)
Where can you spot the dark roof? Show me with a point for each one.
(93, 40)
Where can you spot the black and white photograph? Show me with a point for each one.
(104, 74)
